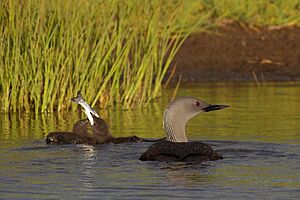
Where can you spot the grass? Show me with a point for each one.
(251, 12)
(260, 12)
(114, 52)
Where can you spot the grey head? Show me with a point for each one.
(179, 112)
(86, 107)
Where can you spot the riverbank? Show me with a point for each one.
(236, 52)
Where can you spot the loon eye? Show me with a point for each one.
(197, 103)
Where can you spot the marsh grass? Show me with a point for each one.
(115, 52)
(257, 12)
(277, 13)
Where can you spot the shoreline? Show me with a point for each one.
(235, 52)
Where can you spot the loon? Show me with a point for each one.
(176, 147)
(100, 128)
(99, 133)
(79, 135)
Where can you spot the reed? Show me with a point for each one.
(252, 12)
(112, 51)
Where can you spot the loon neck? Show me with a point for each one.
(174, 127)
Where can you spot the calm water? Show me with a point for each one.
(259, 136)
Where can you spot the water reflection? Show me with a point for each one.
(269, 113)
(88, 165)
(188, 175)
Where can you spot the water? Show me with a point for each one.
(259, 136)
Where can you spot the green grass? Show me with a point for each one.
(114, 52)
(256, 12)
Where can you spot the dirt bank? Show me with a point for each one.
(236, 52)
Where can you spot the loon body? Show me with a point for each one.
(99, 133)
(79, 135)
(100, 127)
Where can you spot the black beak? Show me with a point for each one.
(214, 107)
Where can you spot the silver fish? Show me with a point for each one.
(86, 107)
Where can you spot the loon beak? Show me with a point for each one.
(214, 107)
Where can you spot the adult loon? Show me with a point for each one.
(176, 147)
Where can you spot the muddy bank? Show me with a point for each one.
(235, 52)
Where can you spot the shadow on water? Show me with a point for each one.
(257, 135)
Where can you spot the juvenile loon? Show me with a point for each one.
(81, 133)
(100, 128)
(78, 136)
(176, 146)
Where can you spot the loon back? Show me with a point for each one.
(180, 152)
(61, 137)
(80, 135)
